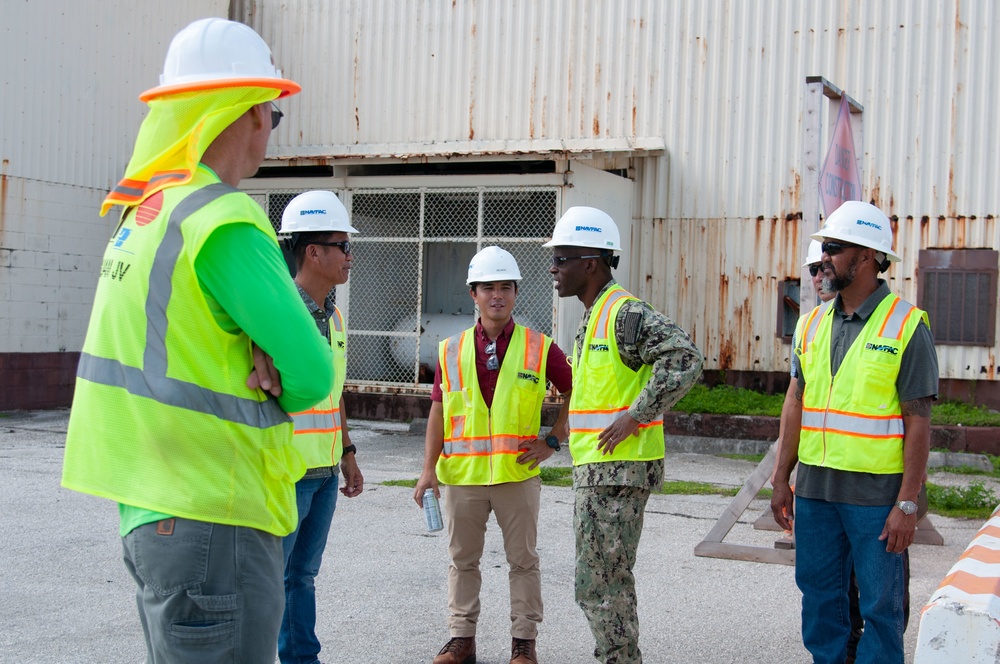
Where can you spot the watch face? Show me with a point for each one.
(908, 506)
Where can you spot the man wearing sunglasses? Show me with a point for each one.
(317, 226)
(483, 442)
(859, 428)
(630, 364)
(165, 421)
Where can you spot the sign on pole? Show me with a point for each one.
(839, 179)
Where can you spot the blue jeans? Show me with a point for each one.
(828, 538)
(316, 500)
(206, 592)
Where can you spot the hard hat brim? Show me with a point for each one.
(286, 87)
(853, 239)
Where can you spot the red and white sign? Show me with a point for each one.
(839, 179)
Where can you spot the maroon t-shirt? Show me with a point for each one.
(557, 367)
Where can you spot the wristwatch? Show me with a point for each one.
(907, 506)
(553, 442)
(350, 449)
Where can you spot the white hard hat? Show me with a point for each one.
(815, 253)
(215, 53)
(316, 212)
(582, 226)
(859, 223)
(493, 264)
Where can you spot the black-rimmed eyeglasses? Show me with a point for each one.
(276, 116)
(345, 245)
(814, 269)
(834, 248)
(559, 261)
(492, 363)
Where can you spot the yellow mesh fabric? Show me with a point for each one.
(175, 135)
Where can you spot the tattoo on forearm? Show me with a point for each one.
(916, 407)
(798, 393)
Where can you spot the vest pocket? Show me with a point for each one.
(874, 384)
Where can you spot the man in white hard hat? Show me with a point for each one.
(860, 432)
(484, 442)
(165, 420)
(630, 364)
(317, 226)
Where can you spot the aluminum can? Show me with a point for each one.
(432, 512)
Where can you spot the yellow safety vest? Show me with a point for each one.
(481, 444)
(853, 421)
(162, 418)
(604, 388)
(318, 436)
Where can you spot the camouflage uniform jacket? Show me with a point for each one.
(644, 336)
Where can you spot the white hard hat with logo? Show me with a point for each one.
(214, 53)
(493, 264)
(815, 254)
(859, 223)
(316, 212)
(582, 226)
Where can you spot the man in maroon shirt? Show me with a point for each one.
(488, 451)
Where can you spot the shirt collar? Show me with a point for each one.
(328, 306)
(867, 307)
(505, 333)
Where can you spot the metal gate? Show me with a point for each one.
(407, 288)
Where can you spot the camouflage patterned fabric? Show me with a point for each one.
(611, 496)
(608, 522)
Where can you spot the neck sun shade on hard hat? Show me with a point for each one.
(276, 116)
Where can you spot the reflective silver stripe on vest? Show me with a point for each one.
(152, 381)
(810, 332)
(451, 362)
(467, 446)
(314, 422)
(601, 421)
(893, 326)
(335, 321)
(867, 427)
(600, 332)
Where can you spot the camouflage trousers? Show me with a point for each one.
(608, 522)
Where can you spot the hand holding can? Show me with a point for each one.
(432, 512)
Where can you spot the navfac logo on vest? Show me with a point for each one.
(883, 348)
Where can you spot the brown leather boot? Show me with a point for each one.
(458, 650)
(522, 651)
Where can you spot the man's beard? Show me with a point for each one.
(840, 282)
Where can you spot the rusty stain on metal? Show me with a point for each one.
(4, 184)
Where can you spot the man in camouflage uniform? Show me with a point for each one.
(622, 383)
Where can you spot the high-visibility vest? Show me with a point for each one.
(481, 444)
(604, 388)
(318, 436)
(162, 418)
(853, 421)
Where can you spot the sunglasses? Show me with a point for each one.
(492, 363)
(814, 269)
(276, 116)
(559, 261)
(345, 245)
(834, 248)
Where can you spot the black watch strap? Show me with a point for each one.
(553, 442)
(350, 449)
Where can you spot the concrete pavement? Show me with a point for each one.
(66, 597)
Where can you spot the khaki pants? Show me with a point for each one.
(467, 509)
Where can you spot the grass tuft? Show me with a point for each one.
(407, 483)
(971, 502)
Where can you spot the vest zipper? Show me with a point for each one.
(489, 419)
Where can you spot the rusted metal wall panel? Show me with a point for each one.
(718, 84)
(72, 74)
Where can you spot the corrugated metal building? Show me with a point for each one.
(449, 125)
